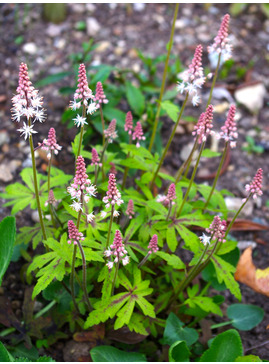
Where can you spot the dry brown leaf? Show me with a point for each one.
(247, 273)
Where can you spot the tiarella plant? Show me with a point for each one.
(115, 234)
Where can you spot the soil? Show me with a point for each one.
(120, 29)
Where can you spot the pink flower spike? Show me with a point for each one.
(255, 188)
(50, 144)
(25, 85)
(138, 133)
(129, 122)
(204, 125)
(83, 91)
(130, 209)
(195, 68)
(95, 158)
(74, 235)
(117, 251)
(113, 168)
(153, 244)
(110, 132)
(113, 196)
(171, 194)
(217, 229)
(229, 130)
(100, 97)
(221, 42)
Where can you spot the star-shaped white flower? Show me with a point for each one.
(90, 217)
(76, 206)
(91, 108)
(27, 130)
(80, 121)
(205, 239)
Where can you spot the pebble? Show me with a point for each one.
(30, 48)
(139, 6)
(93, 27)
(5, 173)
(252, 96)
(102, 46)
(4, 137)
(54, 30)
(90, 7)
(35, 216)
(234, 203)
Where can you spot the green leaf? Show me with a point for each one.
(52, 79)
(135, 99)
(157, 206)
(134, 164)
(172, 260)
(208, 153)
(106, 353)
(174, 331)
(248, 358)
(236, 9)
(7, 240)
(225, 347)
(224, 272)
(136, 324)
(171, 109)
(171, 238)
(179, 352)
(191, 240)
(4, 354)
(124, 314)
(205, 303)
(245, 317)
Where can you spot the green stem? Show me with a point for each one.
(191, 180)
(103, 123)
(169, 210)
(164, 78)
(143, 261)
(95, 174)
(235, 216)
(110, 226)
(222, 324)
(84, 276)
(214, 81)
(49, 172)
(81, 131)
(45, 309)
(169, 141)
(187, 161)
(217, 175)
(36, 186)
(114, 279)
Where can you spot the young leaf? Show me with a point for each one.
(172, 260)
(4, 354)
(248, 358)
(171, 238)
(245, 317)
(179, 352)
(171, 109)
(7, 240)
(110, 354)
(135, 99)
(205, 303)
(174, 331)
(225, 347)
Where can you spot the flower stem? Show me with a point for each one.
(35, 185)
(187, 161)
(169, 210)
(50, 208)
(84, 280)
(143, 261)
(217, 175)
(191, 180)
(110, 226)
(81, 130)
(169, 141)
(214, 81)
(114, 279)
(170, 44)
(235, 216)
(103, 123)
(102, 161)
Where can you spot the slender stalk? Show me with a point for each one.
(95, 174)
(217, 175)
(110, 226)
(164, 78)
(187, 161)
(36, 185)
(102, 160)
(222, 324)
(169, 141)
(84, 276)
(169, 210)
(45, 309)
(50, 208)
(114, 279)
(81, 130)
(103, 123)
(214, 81)
(191, 180)
(143, 261)
(126, 168)
(235, 216)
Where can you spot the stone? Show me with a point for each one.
(5, 173)
(54, 30)
(102, 46)
(139, 6)
(4, 137)
(251, 96)
(30, 48)
(234, 203)
(35, 216)
(93, 27)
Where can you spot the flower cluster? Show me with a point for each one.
(229, 129)
(100, 97)
(51, 200)
(167, 199)
(129, 123)
(82, 188)
(138, 133)
(117, 251)
(255, 187)
(153, 244)
(221, 42)
(217, 229)
(83, 96)
(74, 235)
(95, 158)
(130, 209)
(50, 144)
(113, 196)
(193, 78)
(204, 125)
(110, 132)
(27, 103)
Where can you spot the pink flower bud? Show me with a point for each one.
(113, 196)
(129, 122)
(95, 158)
(130, 209)
(229, 130)
(100, 97)
(74, 235)
(171, 194)
(110, 132)
(255, 188)
(217, 229)
(138, 133)
(153, 244)
(50, 144)
(83, 91)
(204, 125)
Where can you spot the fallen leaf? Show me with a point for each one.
(97, 333)
(247, 273)
(124, 335)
